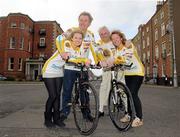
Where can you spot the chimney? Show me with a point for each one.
(159, 4)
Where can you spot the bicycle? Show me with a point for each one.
(120, 100)
(85, 102)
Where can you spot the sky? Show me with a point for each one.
(124, 15)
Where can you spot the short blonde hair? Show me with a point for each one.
(84, 13)
(120, 34)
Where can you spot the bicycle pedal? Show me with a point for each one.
(69, 104)
(89, 91)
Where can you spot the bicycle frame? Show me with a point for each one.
(82, 103)
(113, 83)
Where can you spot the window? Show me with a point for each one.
(162, 15)
(42, 42)
(163, 50)
(147, 29)
(42, 32)
(144, 44)
(41, 55)
(21, 43)
(156, 53)
(148, 71)
(20, 64)
(143, 33)
(155, 21)
(12, 43)
(163, 46)
(144, 57)
(29, 46)
(13, 25)
(163, 29)
(148, 55)
(148, 41)
(11, 64)
(156, 35)
(22, 25)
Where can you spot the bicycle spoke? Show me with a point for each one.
(86, 115)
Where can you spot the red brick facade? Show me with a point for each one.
(156, 46)
(20, 38)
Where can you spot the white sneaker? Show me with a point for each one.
(137, 122)
(125, 119)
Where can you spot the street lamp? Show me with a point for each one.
(170, 28)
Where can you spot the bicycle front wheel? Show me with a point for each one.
(85, 108)
(121, 107)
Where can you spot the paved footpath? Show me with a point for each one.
(22, 107)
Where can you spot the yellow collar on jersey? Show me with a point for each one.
(120, 47)
(69, 44)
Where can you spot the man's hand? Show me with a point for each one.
(110, 62)
(103, 64)
(88, 62)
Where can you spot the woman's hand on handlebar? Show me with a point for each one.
(65, 55)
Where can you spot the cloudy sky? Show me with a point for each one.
(125, 15)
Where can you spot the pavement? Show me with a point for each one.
(22, 107)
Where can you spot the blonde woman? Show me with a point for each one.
(77, 54)
(52, 73)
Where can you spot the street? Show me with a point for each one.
(22, 108)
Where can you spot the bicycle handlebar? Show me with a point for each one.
(124, 66)
(82, 65)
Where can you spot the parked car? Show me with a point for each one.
(2, 77)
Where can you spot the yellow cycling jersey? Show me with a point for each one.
(130, 55)
(104, 50)
(77, 55)
(88, 37)
(53, 67)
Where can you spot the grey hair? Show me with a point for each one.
(103, 27)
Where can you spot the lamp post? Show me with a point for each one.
(175, 80)
(170, 28)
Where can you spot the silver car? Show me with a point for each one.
(2, 77)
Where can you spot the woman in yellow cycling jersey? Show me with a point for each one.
(134, 76)
(76, 54)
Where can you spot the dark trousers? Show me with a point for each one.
(134, 83)
(70, 77)
(53, 86)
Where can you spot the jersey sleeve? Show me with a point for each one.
(60, 43)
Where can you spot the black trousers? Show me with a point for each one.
(53, 86)
(134, 83)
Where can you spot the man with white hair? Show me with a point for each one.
(106, 46)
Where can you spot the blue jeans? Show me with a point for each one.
(70, 77)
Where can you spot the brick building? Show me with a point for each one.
(25, 45)
(155, 46)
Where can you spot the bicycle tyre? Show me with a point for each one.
(118, 110)
(84, 126)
